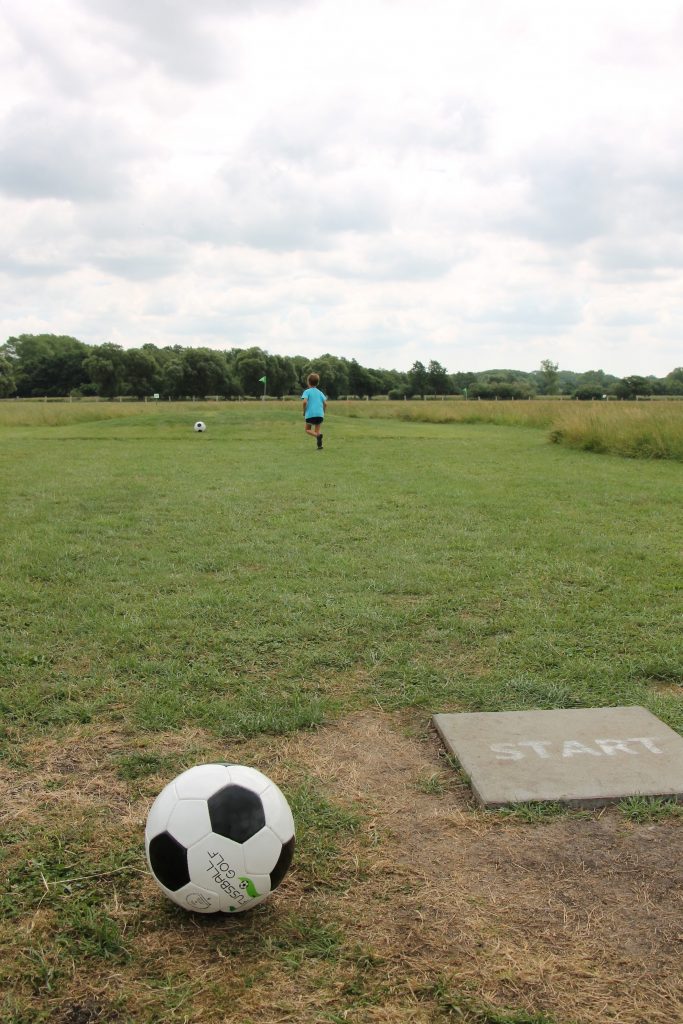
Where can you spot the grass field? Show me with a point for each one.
(172, 597)
(649, 430)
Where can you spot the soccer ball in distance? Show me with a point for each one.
(200, 427)
(220, 837)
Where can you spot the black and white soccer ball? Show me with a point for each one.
(220, 837)
(200, 427)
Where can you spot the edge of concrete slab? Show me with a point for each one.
(491, 801)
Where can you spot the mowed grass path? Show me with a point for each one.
(243, 582)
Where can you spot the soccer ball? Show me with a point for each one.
(220, 837)
(200, 427)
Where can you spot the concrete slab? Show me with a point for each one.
(584, 757)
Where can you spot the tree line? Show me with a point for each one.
(56, 366)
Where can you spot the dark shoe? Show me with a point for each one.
(320, 441)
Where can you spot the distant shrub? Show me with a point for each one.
(589, 392)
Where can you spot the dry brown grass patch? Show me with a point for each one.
(566, 916)
(579, 917)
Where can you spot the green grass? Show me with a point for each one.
(34, 412)
(239, 583)
(138, 766)
(432, 785)
(537, 812)
(645, 430)
(642, 809)
(323, 828)
(70, 879)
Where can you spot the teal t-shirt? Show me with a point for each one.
(314, 402)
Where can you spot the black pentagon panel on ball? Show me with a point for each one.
(282, 866)
(168, 858)
(236, 813)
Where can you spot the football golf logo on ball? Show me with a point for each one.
(219, 838)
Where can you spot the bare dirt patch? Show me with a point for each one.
(581, 917)
(437, 909)
(88, 1013)
(669, 689)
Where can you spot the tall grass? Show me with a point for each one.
(636, 430)
(651, 430)
(59, 414)
(521, 413)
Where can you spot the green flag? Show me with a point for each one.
(262, 380)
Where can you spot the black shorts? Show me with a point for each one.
(314, 420)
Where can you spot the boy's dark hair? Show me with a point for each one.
(313, 380)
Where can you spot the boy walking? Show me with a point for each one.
(315, 404)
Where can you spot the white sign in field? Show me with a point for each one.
(584, 756)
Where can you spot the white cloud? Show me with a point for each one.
(181, 39)
(486, 184)
(65, 153)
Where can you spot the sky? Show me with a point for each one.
(485, 183)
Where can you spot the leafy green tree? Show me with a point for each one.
(8, 384)
(142, 373)
(47, 364)
(418, 379)
(501, 384)
(360, 380)
(27, 353)
(567, 382)
(105, 367)
(658, 386)
(376, 383)
(250, 365)
(437, 378)
(632, 387)
(459, 381)
(173, 378)
(389, 380)
(281, 376)
(300, 363)
(674, 381)
(597, 379)
(334, 375)
(365, 383)
(594, 377)
(205, 372)
(548, 377)
(589, 392)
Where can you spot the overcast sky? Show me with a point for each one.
(487, 183)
